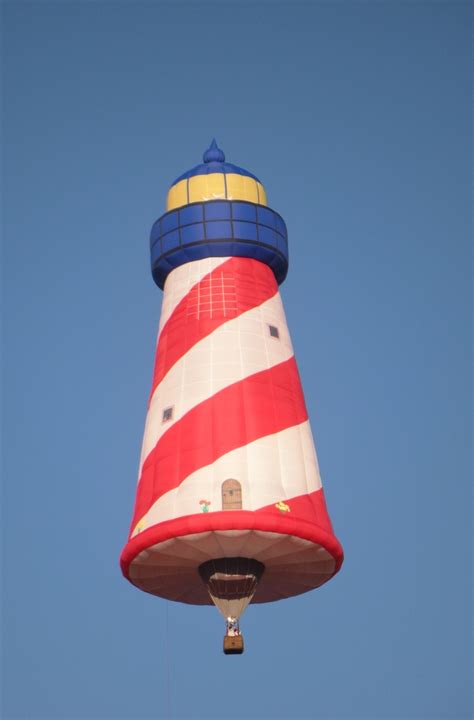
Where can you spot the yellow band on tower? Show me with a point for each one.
(215, 186)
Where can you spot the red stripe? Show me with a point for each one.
(310, 507)
(262, 404)
(233, 288)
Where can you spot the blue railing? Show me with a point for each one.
(218, 228)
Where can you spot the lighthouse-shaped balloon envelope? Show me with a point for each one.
(229, 507)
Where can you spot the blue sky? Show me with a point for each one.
(356, 117)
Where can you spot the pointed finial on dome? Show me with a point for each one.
(213, 153)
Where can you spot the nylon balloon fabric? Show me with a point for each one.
(228, 471)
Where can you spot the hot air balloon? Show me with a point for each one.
(229, 505)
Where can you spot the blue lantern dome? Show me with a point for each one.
(217, 209)
(214, 162)
(215, 179)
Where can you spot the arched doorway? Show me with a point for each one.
(231, 495)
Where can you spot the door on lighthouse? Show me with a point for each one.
(231, 495)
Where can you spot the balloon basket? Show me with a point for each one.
(233, 645)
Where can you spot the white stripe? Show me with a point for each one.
(180, 281)
(238, 348)
(273, 468)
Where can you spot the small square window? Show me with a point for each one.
(167, 414)
(274, 332)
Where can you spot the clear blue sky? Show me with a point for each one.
(355, 115)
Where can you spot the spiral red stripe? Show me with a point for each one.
(255, 283)
(261, 404)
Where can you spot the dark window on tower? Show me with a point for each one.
(274, 332)
(167, 414)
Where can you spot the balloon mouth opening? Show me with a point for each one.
(231, 583)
